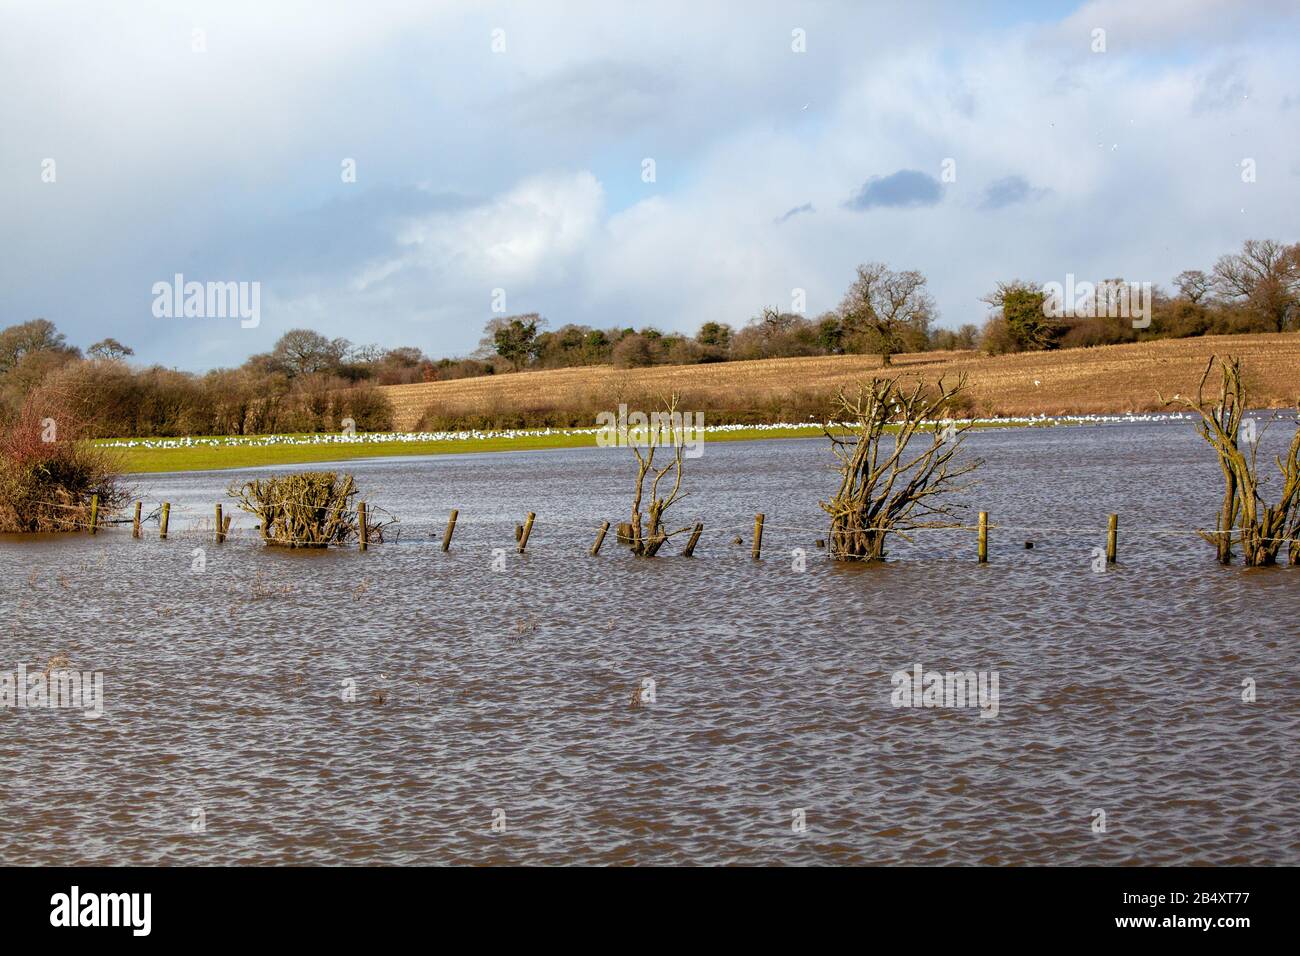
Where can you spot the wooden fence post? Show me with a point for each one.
(363, 533)
(220, 537)
(451, 527)
(528, 529)
(135, 525)
(162, 522)
(1112, 538)
(94, 512)
(600, 539)
(695, 537)
(984, 538)
(758, 535)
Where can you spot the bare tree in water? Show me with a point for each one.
(666, 433)
(1260, 528)
(889, 484)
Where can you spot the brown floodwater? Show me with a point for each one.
(505, 695)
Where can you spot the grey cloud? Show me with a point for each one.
(905, 188)
(1008, 191)
(791, 213)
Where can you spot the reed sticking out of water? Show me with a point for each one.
(892, 487)
(1260, 528)
(312, 509)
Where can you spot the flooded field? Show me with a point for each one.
(409, 706)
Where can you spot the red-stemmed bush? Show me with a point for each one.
(49, 472)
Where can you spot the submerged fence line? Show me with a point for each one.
(221, 527)
(593, 525)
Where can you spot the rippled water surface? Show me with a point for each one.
(487, 695)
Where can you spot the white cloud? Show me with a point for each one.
(522, 170)
(534, 228)
(1147, 26)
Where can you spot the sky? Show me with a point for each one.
(618, 164)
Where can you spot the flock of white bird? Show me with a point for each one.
(382, 438)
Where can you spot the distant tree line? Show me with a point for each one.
(309, 382)
(885, 312)
(1254, 290)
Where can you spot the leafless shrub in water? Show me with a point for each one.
(311, 509)
(665, 432)
(890, 487)
(1260, 528)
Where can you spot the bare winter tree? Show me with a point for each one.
(665, 432)
(882, 306)
(302, 352)
(1194, 285)
(109, 348)
(888, 485)
(1260, 528)
(1265, 276)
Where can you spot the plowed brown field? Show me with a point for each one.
(1108, 379)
